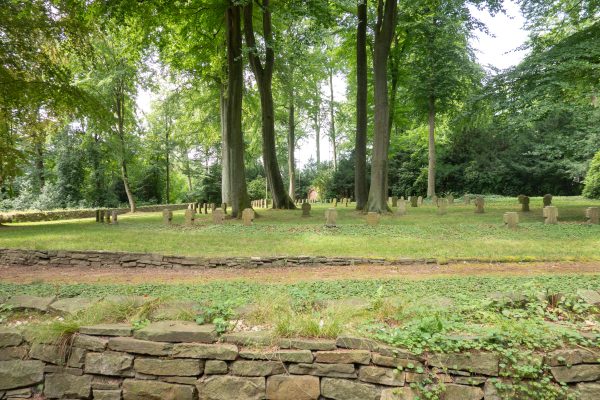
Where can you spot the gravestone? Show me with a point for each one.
(373, 218)
(97, 215)
(401, 210)
(224, 207)
(592, 214)
(113, 217)
(547, 199)
(248, 216)
(420, 200)
(450, 198)
(205, 208)
(167, 216)
(107, 217)
(331, 218)
(414, 201)
(551, 215)
(335, 202)
(442, 205)
(306, 209)
(189, 217)
(218, 216)
(520, 198)
(479, 204)
(213, 207)
(394, 201)
(434, 200)
(511, 220)
(524, 203)
(467, 199)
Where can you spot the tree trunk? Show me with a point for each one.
(120, 98)
(431, 169)
(264, 79)
(291, 147)
(39, 160)
(360, 146)
(332, 117)
(167, 158)
(225, 187)
(238, 195)
(384, 30)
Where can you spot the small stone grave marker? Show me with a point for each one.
(218, 216)
(401, 210)
(434, 200)
(479, 204)
(190, 217)
(450, 198)
(248, 216)
(592, 215)
(511, 220)
(414, 201)
(107, 217)
(524, 203)
(113, 219)
(394, 201)
(331, 218)
(550, 215)
(306, 209)
(420, 200)
(335, 202)
(442, 205)
(167, 216)
(373, 218)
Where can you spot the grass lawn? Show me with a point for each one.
(436, 314)
(460, 234)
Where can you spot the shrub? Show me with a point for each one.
(591, 187)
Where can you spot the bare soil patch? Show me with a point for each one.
(23, 274)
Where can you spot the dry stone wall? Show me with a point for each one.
(77, 214)
(185, 361)
(142, 260)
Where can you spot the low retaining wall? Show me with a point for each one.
(185, 361)
(77, 214)
(142, 260)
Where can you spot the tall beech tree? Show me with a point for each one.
(264, 80)
(384, 33)
(360, 144)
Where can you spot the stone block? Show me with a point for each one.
(591, 297)
(576, 373)
(72, 305)
(67, 386)
(292, 356)
(107, 394)
(24, 302)
(177, 331)
(286, 387)
(18, 373)
(14, 353)
(215, 367)
(342, 389)
(218, 216)
(461, 392)
(381, 376)
(137, 346)
(248, 216)
(550, 215)
(90, 342)
(225, 352)
(477, 362)
(10, 337)
(400, 393)
(395, 362)
(343, 357)
(511, 220)
(257, 368)
(259, 338)
(356, 343)
(48, 353)
(588, 391)
(165, 367)
(330, 370)
(136, 389)
(76, 357)
(106, 382)
(312, 344)
(224, 387)
(571, 357)
(109, 363)
(373, 218)
(107, 330)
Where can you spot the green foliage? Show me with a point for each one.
(592, 179)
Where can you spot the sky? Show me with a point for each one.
(498, 49)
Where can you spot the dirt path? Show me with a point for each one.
(19, 274)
